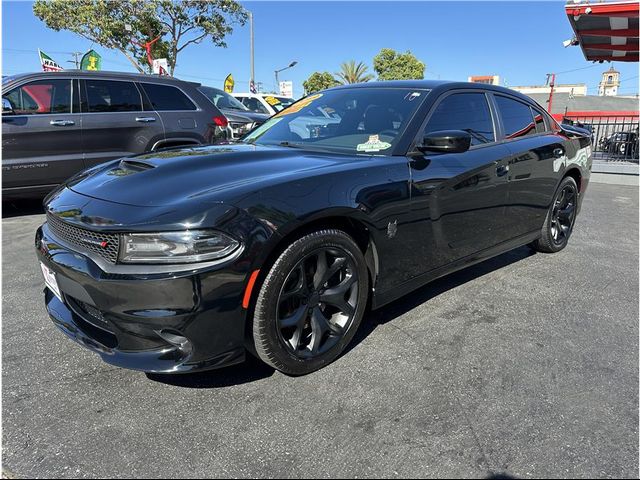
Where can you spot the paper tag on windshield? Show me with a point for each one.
(373, 145)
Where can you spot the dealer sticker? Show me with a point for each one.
(50, 280)
(374, 144)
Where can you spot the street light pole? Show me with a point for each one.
(292, 64)
(252, 79)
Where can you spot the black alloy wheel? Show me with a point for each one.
(317, 302)
(311, 302)
(560, 219)
(563, 214)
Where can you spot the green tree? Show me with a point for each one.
(391, 65)
(180, 24)
(350, 72)
(319, 81)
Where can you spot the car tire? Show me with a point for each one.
(560, 219)
(305, 315)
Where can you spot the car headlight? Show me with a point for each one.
(176, 247)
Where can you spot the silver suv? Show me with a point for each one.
(55, 124)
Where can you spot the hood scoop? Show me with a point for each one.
(135, 165)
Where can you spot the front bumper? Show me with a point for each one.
(162, 323)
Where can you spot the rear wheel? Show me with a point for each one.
(558, 224)
(311, 302)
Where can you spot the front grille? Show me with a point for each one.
(104, 244)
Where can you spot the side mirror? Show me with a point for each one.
(446, 141)
(6, 106)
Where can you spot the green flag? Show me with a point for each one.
(48, 65)
(91, 61)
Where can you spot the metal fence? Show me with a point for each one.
(614, 139)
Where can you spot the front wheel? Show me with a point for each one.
(311, 302)
(559, 221)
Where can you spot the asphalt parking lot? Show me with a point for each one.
(523, 366)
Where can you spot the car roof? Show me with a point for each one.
(139, 77)
(441, 85)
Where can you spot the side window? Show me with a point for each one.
(112, 96)
(166, 97)
(516, 117)
(538, 118)
(41, 97)
(464, 111)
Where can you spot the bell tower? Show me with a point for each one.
(610, 83)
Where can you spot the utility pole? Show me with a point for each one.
(552, 84)
(252, 84)
(75, 60)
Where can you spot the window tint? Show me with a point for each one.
(464, 111)
(41, 97)
(254, 105)
(539, 119)
(166, 97)
(516, 117)
(112, 96)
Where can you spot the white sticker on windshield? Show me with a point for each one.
(412, 96)
(373, 145)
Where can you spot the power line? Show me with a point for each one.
(578, 69)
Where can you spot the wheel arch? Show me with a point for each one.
(574, 172)
(355, 228)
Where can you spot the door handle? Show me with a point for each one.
(558, 152)
(62, 123)
(145, 119)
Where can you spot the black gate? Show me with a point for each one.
(613, 139)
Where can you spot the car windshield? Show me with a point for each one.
(222, 99)
(368, 120)
(278, 103)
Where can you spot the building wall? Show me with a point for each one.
(488, 79)
(576, 89)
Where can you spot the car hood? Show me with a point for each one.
(221, 173)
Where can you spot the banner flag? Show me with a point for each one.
(229, 83)
(48, 65)
(91, 61)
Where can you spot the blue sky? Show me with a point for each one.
(520, 41)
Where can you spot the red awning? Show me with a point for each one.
(606, 30)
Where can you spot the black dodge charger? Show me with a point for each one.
(187, 259)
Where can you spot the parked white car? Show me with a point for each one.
(264, 102)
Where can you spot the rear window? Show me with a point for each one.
(166, 97)
(538, 117)
(222, 99)
(516, 118)
(112, 96)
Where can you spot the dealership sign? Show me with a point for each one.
(161, 66)
(286, 89)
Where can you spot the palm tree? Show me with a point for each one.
(352, 73)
